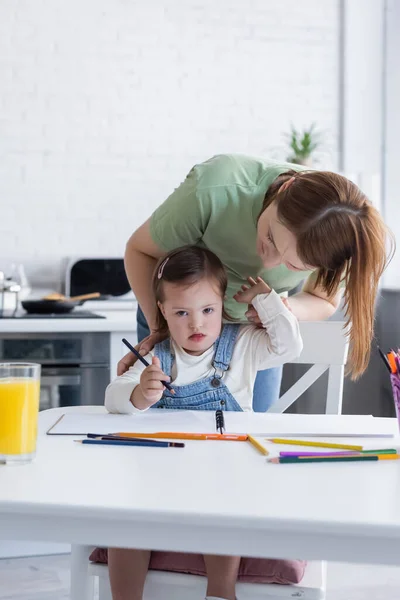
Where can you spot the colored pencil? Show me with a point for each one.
(96, 436)
(381, 451)
(343, 453)
(257, 445)
(146, 364)
(392, 362)
(129, 439)
(227, 437)
(321, 459)
(384, 359)
(316, 444)
(220, 421)
(140, 443)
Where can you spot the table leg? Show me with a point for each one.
(82, 585)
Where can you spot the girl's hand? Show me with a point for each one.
(286, 303)
(150, 382)
(247, 293)
(144, 348)
(252, 315)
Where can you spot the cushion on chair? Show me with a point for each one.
(252, 570)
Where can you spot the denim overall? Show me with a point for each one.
(206, 394)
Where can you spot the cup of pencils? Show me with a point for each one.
(392, 362)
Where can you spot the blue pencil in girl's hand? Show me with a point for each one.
(146, 364)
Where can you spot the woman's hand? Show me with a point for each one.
(144, 348)
(246, 295)
(248, 292)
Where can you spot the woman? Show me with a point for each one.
(282, 223)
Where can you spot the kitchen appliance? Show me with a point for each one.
(75, 314)
(75, 366)
(85, 275)
(46, 306)
(9, 290)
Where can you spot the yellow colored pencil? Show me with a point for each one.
(385, 456)
(316, 444)
(257, 445)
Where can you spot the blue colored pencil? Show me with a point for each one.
(146, 364)
(131, 443)
(111, 436)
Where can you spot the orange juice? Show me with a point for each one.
(19, 406)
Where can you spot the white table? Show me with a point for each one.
(211, 497)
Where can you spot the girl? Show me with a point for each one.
(211, 366)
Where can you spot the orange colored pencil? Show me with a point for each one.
(392, 362)
(227, 437)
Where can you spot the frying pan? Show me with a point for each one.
(59, 306)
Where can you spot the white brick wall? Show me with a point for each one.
(106, 104)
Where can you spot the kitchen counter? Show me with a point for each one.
(114, 321)
(118, 317)
(119, 322)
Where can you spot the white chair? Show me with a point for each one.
(325, 348)
(178, 586)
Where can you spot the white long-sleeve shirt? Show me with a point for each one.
(255, 349)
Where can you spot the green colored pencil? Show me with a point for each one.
(382, 451)
(321, 459)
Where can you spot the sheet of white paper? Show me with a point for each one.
(272, 425)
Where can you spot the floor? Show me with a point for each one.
(47, 578)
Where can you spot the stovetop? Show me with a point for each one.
(79, 314)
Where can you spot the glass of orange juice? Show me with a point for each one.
(19, 407)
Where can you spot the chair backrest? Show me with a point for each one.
(325, 347)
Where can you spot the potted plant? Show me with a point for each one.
(302, 144)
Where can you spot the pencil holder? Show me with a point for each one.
(395, 381)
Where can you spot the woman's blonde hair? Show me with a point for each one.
(339, 232)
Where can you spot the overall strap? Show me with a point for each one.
(224, 346)
(163, 351)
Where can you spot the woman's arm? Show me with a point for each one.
(312, 303)
(141, 257)
(180, 220)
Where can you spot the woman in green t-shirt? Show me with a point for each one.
(280, 222)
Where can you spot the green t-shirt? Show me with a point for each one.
(217, 206)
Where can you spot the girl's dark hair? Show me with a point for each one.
(339, 232)
(187, 265)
